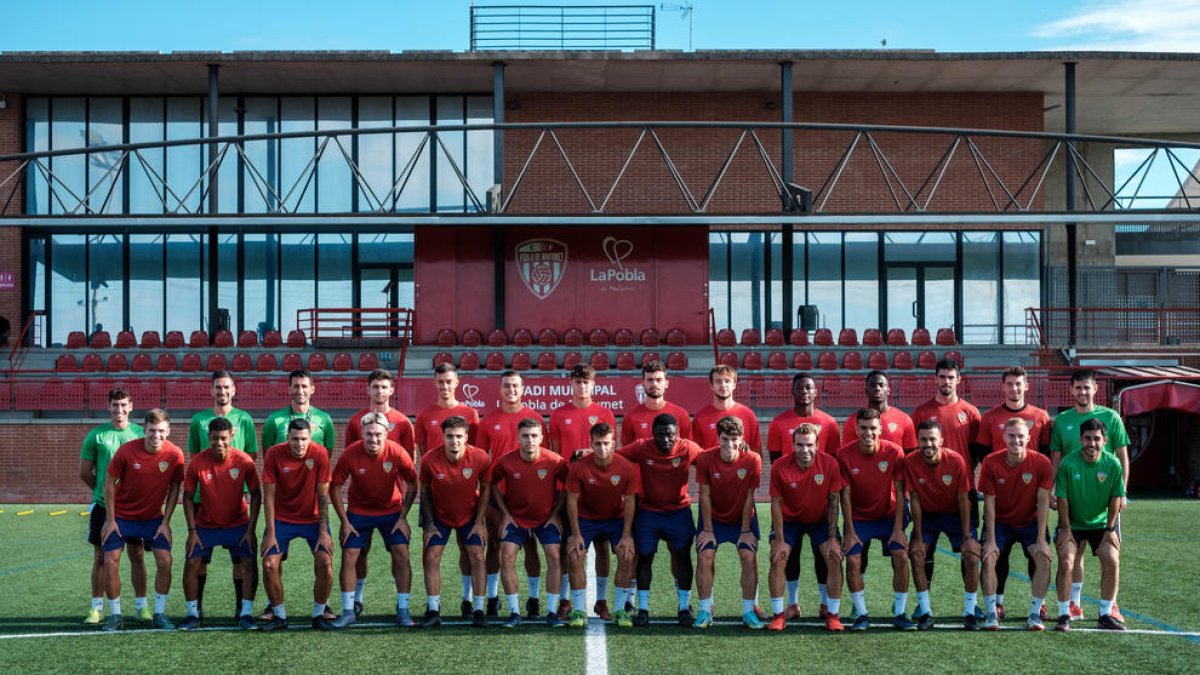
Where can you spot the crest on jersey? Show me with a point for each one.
(592, 419)
(883, 465)
(542, 473)
(162, 468)
(387, 467)
(962, 416)
(946, 478)
(1101, 476)
(675, 462)
(235, 472)
(541, 263)
(309, 463)
(818, 479)
(467, 471)
(892, 427)
(615, 480)
(1027, 477)
(741, 474)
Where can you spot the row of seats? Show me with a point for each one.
(572, 337)
(549, 361)
(847, 337)
(191, 363)
(247, 339)
(901, 360)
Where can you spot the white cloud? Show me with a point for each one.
(1128, 25)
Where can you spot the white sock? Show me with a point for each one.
(899, 603)
(98, 603)
(466, 586)
(1064, 607)
(114, 606)
(643, 600)
(280, 611)
(347, 601)
(192, 607)
(433, 603)
(859, 600)
(1035, 607)
(601, 588)
(822, 590)
(493, 585)
(999, 598)
(358, 589)
(403, 600)
(969, 602)
(776, 605)
(705, 604)
(514, 603)
(552, 601)
(318, 608)
(579, 598)
(139, 602)
(793, 592)
(535, 587)
(247, 607)
(833, 605)
(923, 603)
(1105, 607)
(160, 603)
(1076, 593)
(620, 597)
(989, 604)
(685, 599)
(477, 602)
(748, 605)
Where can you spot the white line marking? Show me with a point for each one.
(594, 638)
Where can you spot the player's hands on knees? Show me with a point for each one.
(506, 523)
(898, 538)
(164, 531)
(970, 546)
(1043, 550)
(324, 539)
(403, 527)
(915, 546)
(625, 550)
(426, 535)
(1111, 538)
(110, 527)
(480, 530)
(704, 538)
(748, 540)
(830, 549)
(990, 550)
(347, 530)
(780, 550)
(1065, 538)
(850, 541)
(575, 544)
(193, 542)
(268, 543)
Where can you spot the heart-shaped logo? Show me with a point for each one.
(617, 250)
(471, 391)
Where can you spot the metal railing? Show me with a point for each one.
(31, 334)
(562, 27)
(358, 327)
(1050, 327)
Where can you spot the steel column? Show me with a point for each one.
(214, 130)
(1072, 254)
(787, 173)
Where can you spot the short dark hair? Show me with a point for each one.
(445, 367)
(875, 373)
(866, 414)
(926, 425)
(510, 373)
(665, 419)
(730, 426)
(218, 374)
(583, 371)
(528, 423)
(1014, 371)
(299, 372)
(1083, 375)
(947, 364)
(1093, 424)
(802, 376)
(380, 374)
(119, 394)
(219, 424)
(654, 366)
(299, 424)
(455, 422)
(600, 430)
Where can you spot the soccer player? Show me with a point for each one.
(990, 438)
(245, 438)
(723, 380)
(728, 475)
(664, 512)
(1065, 439)
(637, 424)
(780, 435)
(1090, 491)
(601, 504)
(873, 474)
(894, 424)
(97, 451)
(499, 436)
(569, 433)
(1016, 487)
(806, 488)
(527, 488)
(455, 483)
(295, 480)
(938, 481)
(216, 513)
(141, 487)
(383, 485)
(320, 425)
(380, 388)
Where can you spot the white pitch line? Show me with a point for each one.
(594, 639)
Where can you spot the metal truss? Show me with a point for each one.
(915, 194)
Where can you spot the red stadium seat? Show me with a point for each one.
(676, 338)
(174, 340)
(752, 360)
(798, 337)
(877, 361)
(126, 340)
(343, 362)
(956, 356)
(777, 360)
(547, 361)
(117, 363)
(223, 339)
(92, 363)
(468, 361)
(573, 337)
(823, 337)
(728, 359)
(521, 361)
(296, 339)
(650, 338)
(848, 337)
(265, 363)
(291, 362)
(214, 363)
(522, 337)
(198, 340)
(547, 337)
(827, 361)
(774, 338)
(151, 340)
(141, 363)
(472, 338)
(247, 339)
(241, 363)
(166, 363)
(65, 364)
(802, 361)
(495, 361)
(872, 337)
(599, 360)
(751, 337)
(647, 357)
(852, 361)
(926, 360)
(624, 338)
(677, 361)
(895, 338)
(572, 359)
(902, 361)
(368, 361)
(946, 338)
(598, 338)
(101, 340)
(191, 363)
(272, 339)
(497, 338)
(625, 360)
(446, 338)
(726, 337)
(317, 362)
(920, 338)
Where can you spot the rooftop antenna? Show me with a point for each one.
(685, 12)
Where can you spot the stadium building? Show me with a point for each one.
(164, 215)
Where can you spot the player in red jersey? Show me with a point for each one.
(498, 435)
(894, 424)
(1016, 487)
(383, 485)
(728, 475)
(664, 512)
(216, 514)
(527, 488)
(938, 481)
(295, 480)
(990, 438)
(780, 437)
(569, 433)
(872, 470)
(601, 504)
(806, 489)
(380, 387)
(455, 483)
(637, 424)
(141, 489)
(723, 381)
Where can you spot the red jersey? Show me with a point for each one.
(498, 431)
(804, 493)
(221, 486)
(571, 427)
(871, 478)
(959, 422)
(991, 427)
(143, 478)
(704, 426)
(897, 427)
(1015, 487)
(296, 481)
(427, 432)
(779, 434)
(602, 492)
(664, 477)
(638, 423)
(376, 483)
(530, 489)
(937, 486)
(455, 486)
(402, 429)
(728, 482)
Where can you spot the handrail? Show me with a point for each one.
(712, 334)
(1114, 326)
(23, 343)
(1033, 327)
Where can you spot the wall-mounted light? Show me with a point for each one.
(513, 105)
(771, 105)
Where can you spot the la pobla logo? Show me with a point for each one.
(617, 251)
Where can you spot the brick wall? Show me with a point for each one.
(11, 194)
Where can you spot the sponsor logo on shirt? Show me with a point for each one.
(854, 470)
(516, 475)
(717, 475)
(137, 466)
(818, 479)
(1027, 477)
(649, 462)
(207, 476)
(741, 474)
(362, 471)
(496, 428)
(441, 476)
(1001, 481)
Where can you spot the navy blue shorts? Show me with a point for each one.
(286, 532)
(728, 533)
(874, 529)
(547, 534)
(441, 534)
(591, 530)
(1006, 533)
(674, 526)
(229, 538)
(137, 529)
(817, 533)
(934, 525)
(368, 524)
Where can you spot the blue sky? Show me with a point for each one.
(400, 25)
